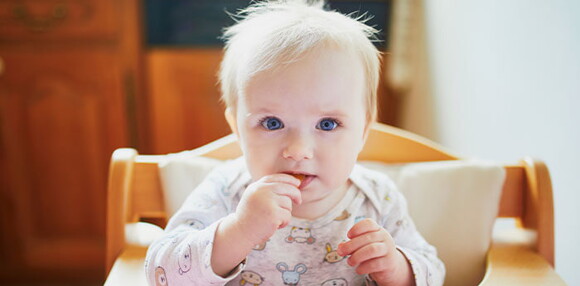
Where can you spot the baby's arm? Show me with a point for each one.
(204, 241)
(266, 206)
(182, 256)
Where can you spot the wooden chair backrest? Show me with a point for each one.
(135, 193)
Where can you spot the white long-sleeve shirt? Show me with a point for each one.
(302, 253)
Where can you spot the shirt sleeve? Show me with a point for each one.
(182, 255)
(427, 268)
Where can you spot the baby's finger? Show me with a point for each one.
(282, 178)
(287, 214)
(349, 247)
(362, 227)
(284, 202)
(368, 252)
(372, 266)
(289, 191)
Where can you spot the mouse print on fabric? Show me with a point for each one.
(335, 282)
(184, 259)
(291, 277)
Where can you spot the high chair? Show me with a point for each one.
(522, 254)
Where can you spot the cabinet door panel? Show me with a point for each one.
(184, 99)
(62, 115)
(59, 19)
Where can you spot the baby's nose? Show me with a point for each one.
(299, 147)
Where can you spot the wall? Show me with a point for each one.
(501, 80)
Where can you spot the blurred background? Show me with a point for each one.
(496, 80)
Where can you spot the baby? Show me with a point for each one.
(299, 84)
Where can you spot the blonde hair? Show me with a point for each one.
(273, 33)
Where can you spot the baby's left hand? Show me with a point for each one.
(372, 251)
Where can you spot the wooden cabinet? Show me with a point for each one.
(185, 111)
(59, 20)
(67, 82)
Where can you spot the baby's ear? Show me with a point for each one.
(231, 119)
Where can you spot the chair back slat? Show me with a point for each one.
(510, 205)
(147, 197)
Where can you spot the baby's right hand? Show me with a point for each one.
(266, 206)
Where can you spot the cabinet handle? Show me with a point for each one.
(40, 24)
(1, 66)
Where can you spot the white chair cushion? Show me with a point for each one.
(453, 203)
(180, 173)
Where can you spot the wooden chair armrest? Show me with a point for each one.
(512, 260)
(128, 269)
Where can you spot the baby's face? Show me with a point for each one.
(308, 118)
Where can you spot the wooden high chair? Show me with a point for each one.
(135, 195)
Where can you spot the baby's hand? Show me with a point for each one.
(372, 251)
(266, 206)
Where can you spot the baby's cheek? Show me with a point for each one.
(335, 177)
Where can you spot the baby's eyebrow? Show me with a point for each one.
(254, 115)
(262, 110)
(334, 113)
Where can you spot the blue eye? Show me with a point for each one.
(327, 124)
(272, 123)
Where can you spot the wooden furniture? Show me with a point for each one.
(68, 76)
(513, 259)
(184, 98)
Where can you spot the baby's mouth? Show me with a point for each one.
(305, 179)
